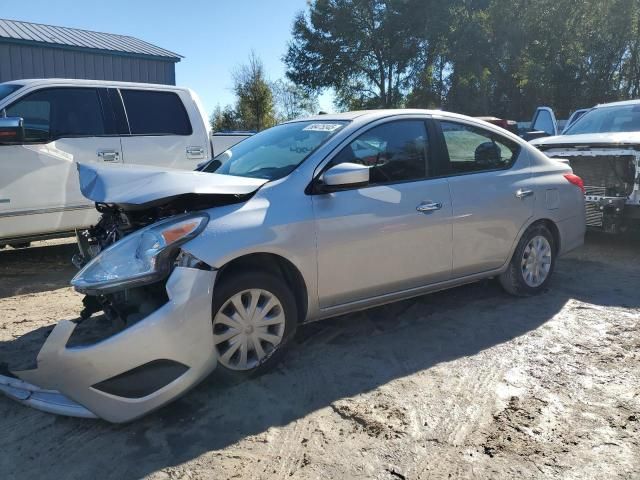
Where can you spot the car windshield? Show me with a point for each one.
(6, 90)
(276, 152)
(624, 118)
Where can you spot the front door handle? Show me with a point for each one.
(429, 207)
(109, 155)
(520, 193)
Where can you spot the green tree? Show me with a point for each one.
(499, 57)
(365, 50)
(506, 57)
(630, 68)
(255, 108)
(293, 101)
(224, 119)
(429, 80)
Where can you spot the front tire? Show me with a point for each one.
(532, 264)
(254, 319)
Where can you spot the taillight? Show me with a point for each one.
(576, 180)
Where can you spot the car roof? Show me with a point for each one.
(381, 113)
(30, 82)
(362, 117)
(623, 103)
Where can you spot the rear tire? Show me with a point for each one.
(254, 318)
(532, 264)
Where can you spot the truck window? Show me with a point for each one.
(54, 113)
(155, 113)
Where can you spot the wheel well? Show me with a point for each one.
(272, 263)
(553, 228)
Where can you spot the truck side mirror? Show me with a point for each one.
(11, 130)
(545, 120)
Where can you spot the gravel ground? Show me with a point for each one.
(468, 383)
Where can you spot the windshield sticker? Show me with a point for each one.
(322, 127)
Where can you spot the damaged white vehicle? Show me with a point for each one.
(603, 148)
(213, 270)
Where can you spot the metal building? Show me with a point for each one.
(31, 50)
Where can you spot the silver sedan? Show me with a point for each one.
(213, 270)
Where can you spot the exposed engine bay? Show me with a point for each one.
(117, 221)
(606, 175)
(612, 183)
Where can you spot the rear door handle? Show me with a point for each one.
(520, 193)
(429, 207)
(109, 155)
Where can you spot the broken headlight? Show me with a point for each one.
(140, 258)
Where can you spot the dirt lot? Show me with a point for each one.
(468, 383)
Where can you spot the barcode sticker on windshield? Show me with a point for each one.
(322, 127)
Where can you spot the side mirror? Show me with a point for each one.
(11, 130)
(545, 120)
(344, 175)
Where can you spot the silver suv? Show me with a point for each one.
(215, 269)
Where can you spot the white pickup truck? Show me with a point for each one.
(47, 126)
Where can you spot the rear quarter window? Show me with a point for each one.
(155, 113)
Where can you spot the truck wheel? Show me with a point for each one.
(532, 263)
(254, 319)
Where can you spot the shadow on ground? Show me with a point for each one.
(36, 269)
(331, 360)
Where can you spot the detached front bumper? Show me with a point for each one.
(132, 372)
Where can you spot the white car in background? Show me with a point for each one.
(603, 148)
(50, 125)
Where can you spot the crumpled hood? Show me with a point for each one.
(139, 184)
(613, 138)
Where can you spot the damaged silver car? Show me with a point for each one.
(211, 272)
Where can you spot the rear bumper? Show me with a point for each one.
(572, 231)
(70, 380)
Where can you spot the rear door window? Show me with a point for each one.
(54, 113)
(155, 113)
(473, 149)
